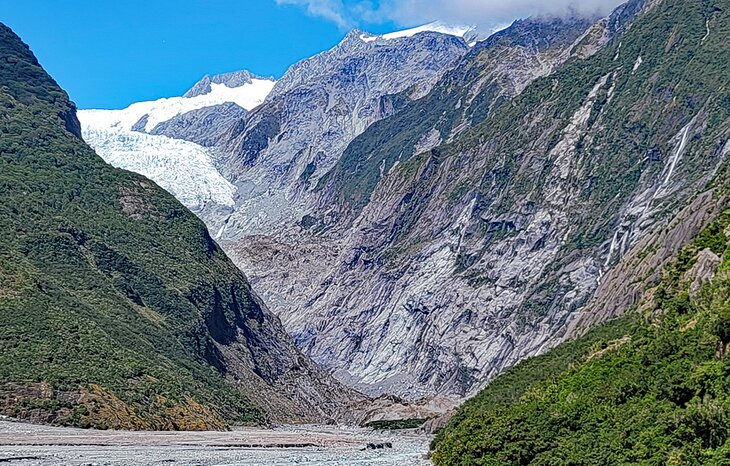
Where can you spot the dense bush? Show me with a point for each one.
(106, 281)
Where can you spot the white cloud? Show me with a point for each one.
(484, 13)
(332, 10)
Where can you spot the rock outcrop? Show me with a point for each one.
(470, 229)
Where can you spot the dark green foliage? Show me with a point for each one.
(650, 389)
(399, 424)
(105, 279)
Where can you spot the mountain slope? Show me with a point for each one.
(273, 155)
(495, 70)
(117, 309)
(420, 234)
(352, 292)
(277, 152)
(648, 388)
(463, 258)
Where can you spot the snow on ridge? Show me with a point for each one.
(437, 26)
(247, 96)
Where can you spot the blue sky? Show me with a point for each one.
(110, 53)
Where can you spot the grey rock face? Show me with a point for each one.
(322, 103)
(445, 246)
(141, 124)
(703, 271)
(493, 72)
(352, 296)
(380, 66)
(277, 153)
(623, 285)
(204, 126)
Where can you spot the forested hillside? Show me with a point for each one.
(117, 309)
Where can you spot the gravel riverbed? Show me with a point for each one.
(29, 444)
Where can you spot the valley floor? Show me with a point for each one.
(29, 444)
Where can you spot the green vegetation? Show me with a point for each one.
(398, 424)
(114, 299)
(681, 77)
(651, 388)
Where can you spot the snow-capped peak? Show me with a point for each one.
(145, 116)
(459, 31)
(232, 79)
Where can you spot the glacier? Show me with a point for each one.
(183, 168)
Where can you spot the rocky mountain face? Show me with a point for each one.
(273, 155)
(658, 373)
(469, 230)
(514, 224)
(346, 286)
(276, 154)
(204, 126)
(117, 309)
(233, 79)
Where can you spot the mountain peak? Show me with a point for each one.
(232, 79)
(149, 318)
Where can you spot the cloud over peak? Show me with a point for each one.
(485, 14)
(331, 10)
